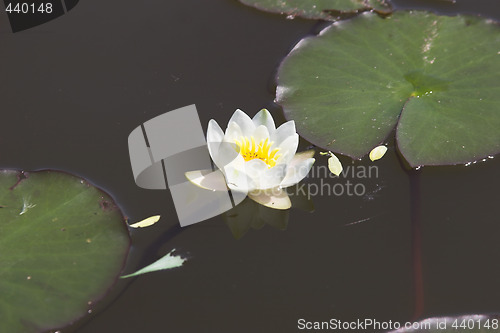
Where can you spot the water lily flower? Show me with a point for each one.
(255, 158)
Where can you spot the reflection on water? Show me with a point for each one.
(250, 214)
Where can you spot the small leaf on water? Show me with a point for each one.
(377, 153)
(166, 262)
(146, 222)
(333, 163)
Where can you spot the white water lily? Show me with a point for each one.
(256, 158)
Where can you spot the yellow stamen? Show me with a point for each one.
(262, 151)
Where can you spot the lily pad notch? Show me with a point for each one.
(432, 78)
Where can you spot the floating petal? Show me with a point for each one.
(167, 262)
(146, 222)
(334, 165)
(377, 153)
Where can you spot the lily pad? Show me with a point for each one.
(433, 78)
(63, 243)
(319, 9)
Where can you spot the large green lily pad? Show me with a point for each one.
(434, 78)
(319, 9)
(63, 243)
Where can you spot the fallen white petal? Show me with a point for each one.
(167, 262)
(334, 165)
(377, 153)
(207, 179)
(276, 198)
(146, 222)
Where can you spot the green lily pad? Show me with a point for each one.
(63, 243)
(433, 78)
(319, 9)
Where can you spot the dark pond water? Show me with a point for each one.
(73, 89)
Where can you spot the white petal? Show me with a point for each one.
(207, 179)
(244, 122)
(254, 170)
(334, 165)
(226, 154)
(215, 135)
(255, 167)
(275, 198)
(258, 176)
(272, 177)
(236, 177)
(377, 153)
(262, 176)
(284, 131)
(263, 117)
(303, 155)
(228, 150)
(287, 149)
(261, 133)
(166, 262)
(297, 170)
(233, 132)
(146, 222)
(214, 132)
